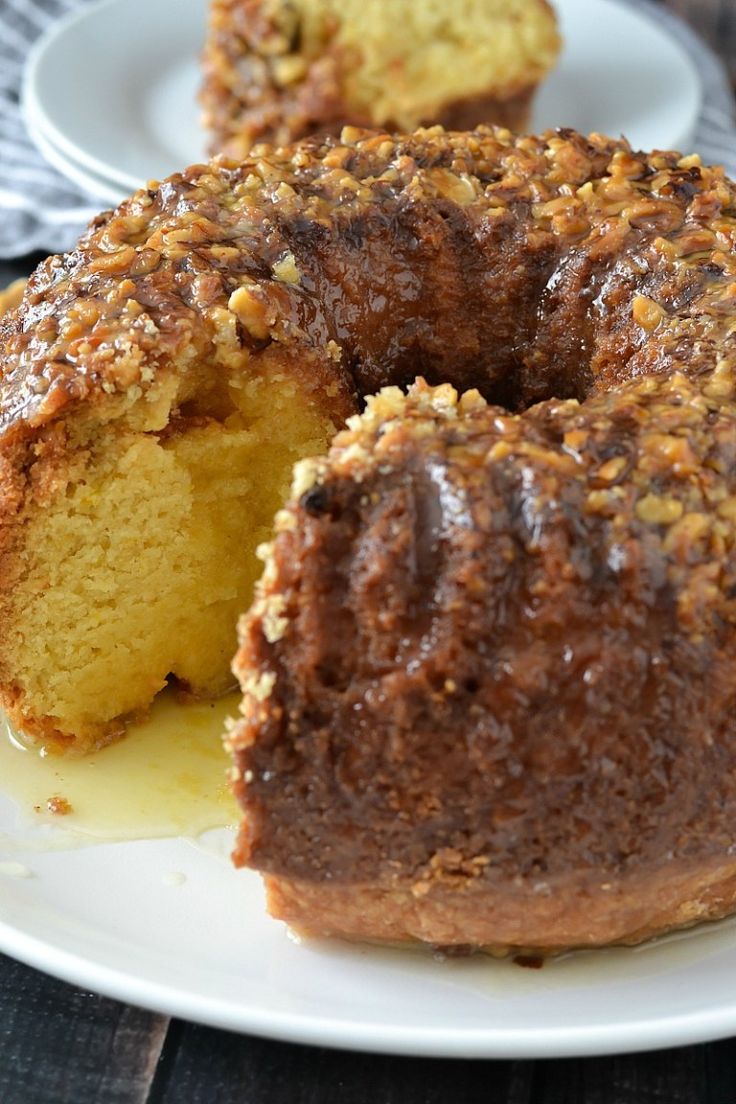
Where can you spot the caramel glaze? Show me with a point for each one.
(527, 267)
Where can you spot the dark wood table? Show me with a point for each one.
(61, 1045)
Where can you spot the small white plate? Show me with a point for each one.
(128, 111)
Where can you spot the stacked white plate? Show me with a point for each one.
(133, 115)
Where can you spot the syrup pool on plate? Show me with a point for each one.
(166, 777)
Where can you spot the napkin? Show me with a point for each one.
(41, 209)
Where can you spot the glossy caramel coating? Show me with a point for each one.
(526, 267)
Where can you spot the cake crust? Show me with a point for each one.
(576, 915)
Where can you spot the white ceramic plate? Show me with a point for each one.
(128, 112)
(168, 924)
(95, 186)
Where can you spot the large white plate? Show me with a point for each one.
(168, 924)
(112, 917)
(127, 112)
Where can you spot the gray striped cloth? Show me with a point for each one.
(42, 210)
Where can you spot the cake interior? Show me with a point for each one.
(137, 571)
(467, 49)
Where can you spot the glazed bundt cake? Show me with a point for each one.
(278, 70)
(487, 676)
(159, 381)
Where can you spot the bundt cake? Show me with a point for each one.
(159, 381)
(278, 70)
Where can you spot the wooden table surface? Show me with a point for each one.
(61, 1045)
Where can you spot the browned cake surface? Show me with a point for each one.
(279, 70)
(488, 682)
